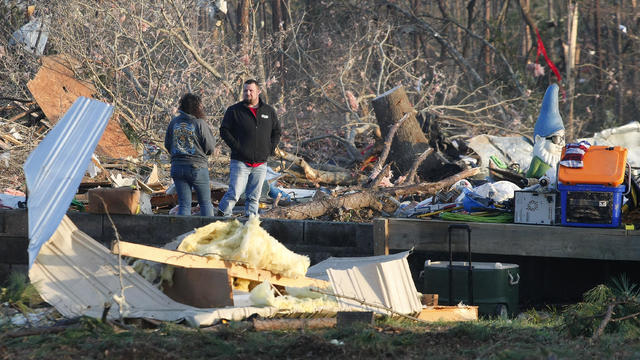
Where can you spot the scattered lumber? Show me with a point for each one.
(234, 269)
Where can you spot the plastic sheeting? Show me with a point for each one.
(32, 35)
(510, 149)
(627, 136)
(55, 168)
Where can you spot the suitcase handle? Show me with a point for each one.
(512, 281)
(469, 269)
(629, 180)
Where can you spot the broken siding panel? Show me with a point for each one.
(55, 168)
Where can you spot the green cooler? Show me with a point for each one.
(495, 285)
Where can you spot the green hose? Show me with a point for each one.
(492, 217)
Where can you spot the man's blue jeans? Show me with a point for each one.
(243, 179)
(184, 178)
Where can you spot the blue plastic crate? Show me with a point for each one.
(591, 205)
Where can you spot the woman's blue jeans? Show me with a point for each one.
(186, 177)
(243, 179)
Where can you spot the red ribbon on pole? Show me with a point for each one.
(543, 51)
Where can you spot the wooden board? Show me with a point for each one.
(449, 313)
(187, 260)
(513, 239)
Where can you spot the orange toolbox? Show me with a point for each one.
(602, 165)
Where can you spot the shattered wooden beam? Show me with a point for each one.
(187, 260)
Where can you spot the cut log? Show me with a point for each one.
(409, 141)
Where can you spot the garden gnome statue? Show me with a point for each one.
(548, 136)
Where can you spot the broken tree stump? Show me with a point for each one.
(409, 141)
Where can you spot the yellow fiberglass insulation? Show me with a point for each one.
(300, 301)
(249, 243)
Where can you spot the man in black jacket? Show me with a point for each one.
(252, 131)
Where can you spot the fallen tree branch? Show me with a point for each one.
(375, 199)
(318, 208)
(320, 176)
(411, 174)
(386, 172)
(607, 317)
(387, 148)
(429, 188)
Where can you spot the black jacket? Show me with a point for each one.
(251, 139)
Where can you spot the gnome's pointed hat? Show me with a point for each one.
(549, 120)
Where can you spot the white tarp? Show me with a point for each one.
(55, 168)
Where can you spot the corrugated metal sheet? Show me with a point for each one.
(386, 283)
(55, 168)
(78, 276)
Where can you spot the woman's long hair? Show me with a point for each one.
(192, 105)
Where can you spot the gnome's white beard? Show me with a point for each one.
(547, 151)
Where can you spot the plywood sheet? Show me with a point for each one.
(114, 143)
(55, 88)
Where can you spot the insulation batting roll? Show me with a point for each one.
(230, 240)
(299, 301)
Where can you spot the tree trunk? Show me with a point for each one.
(487, 35)
(570, 61)
(374, 199)
(619, 65)
(243, 23)
(318, 208)
(409, 141)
